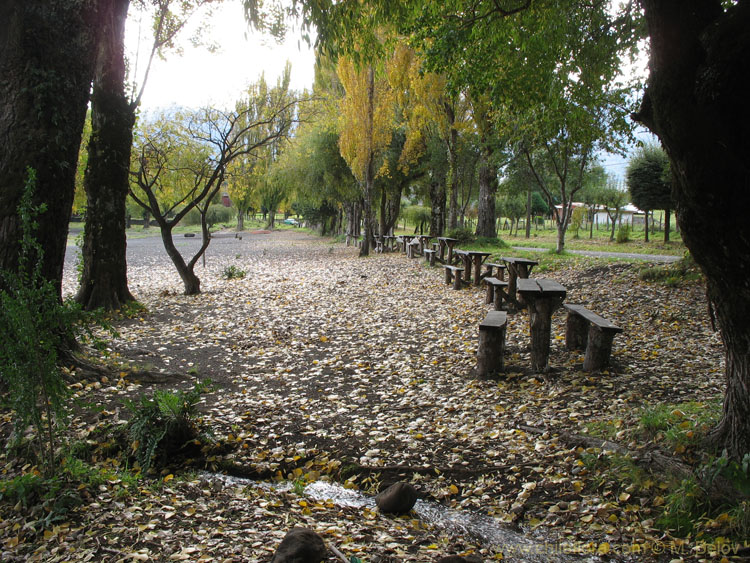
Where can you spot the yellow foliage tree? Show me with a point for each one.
(367, 114)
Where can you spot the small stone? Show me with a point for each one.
(399, 498)
(300, 545)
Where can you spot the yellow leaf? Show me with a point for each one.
(168, 478)
(453, 489)
(624, 497)
(324, 339)
(603, 548)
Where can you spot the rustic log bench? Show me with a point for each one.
(585, 330)
(495, 292)
(453, 274)
(429, 256)
(491, 344)
(500, 270)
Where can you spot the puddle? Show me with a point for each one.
(488, 531)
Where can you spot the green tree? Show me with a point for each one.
(650, 183)
(614, 198)
(181, 163)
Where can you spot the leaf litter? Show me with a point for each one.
(330, 366)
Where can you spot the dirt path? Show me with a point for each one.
(322, 360)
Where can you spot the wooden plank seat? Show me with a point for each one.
(453, 274)
(489, 266)
(491, 344)
(585, 330)
(429, 256)
(496, 292)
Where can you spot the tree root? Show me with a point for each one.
(85, 369)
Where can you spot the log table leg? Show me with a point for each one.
(477, 269)
(467, 269)
(540, 323)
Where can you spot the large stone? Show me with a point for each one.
(300, 545)
(399, 498)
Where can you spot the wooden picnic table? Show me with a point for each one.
(542, 297)
(445, 243)
(424, 240)
(405, 240)
(390, 242)
(517, 268)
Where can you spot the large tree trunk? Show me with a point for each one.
(528, 212)
(369, 179)
(700, 57)
(47, 50)
(104, 283)
(487, 189)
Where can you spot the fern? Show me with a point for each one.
(164, 423)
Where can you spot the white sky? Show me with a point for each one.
(199, 78)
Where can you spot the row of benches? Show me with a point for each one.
(585, 330)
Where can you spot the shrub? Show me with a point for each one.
(462, 234)
(34, 328)
(215, 214)
(233, 272)
(623, 234)
(165, 422)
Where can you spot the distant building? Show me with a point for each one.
(629, 214)
(225, 201)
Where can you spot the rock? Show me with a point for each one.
(300, 545)
(399, 498)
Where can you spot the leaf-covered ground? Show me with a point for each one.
(323, 361)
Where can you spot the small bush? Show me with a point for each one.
(233, 272)
(623, 234)
(462, 234)
(215, 214)
(672, 275)
(165, 423)
(34, 328)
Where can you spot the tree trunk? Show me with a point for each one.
(437, 199)
(47, 50)
(453, 159)
(369, 179)
(528, 212)
(487, 189)
(667, 217)
(190, 281)
(700, 53)
(104, 283)
(240, 220)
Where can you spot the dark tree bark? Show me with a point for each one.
(47, 50)
(104, 282)
(487, 189)
(438, 200)
(696, 103)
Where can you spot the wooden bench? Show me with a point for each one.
(585, 330)
(453, 274)
(429, 256)
(491, 344)
(495, 292)
(500, 270)
(412, 249)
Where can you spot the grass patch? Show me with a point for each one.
(681, 426)
(673, 275)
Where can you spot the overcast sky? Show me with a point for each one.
(199, 78)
